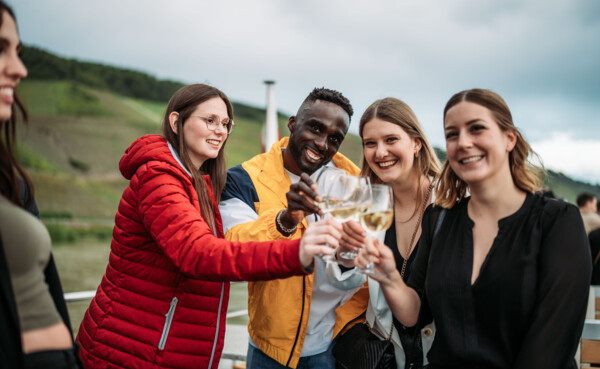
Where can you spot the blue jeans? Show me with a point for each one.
(256, 359)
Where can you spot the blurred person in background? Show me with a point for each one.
(588, 206)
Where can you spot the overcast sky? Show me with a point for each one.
(542, 56)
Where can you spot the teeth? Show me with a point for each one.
(7, 91)
(213, 142)
(312, 155)
(471, 159)
(386, 164)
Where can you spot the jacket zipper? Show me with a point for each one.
(300, 322)
(350, 322)
(167, 327)
(214, 349)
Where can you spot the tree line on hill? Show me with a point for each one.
(46, 66)
(43, 65)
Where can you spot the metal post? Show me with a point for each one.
(270, 133)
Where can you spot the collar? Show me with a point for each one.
(177, 158)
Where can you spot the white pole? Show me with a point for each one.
(270, 133)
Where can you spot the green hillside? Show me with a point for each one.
(84, 115)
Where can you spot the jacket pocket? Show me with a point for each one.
(167, 326)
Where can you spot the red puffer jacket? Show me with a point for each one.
(163, 299)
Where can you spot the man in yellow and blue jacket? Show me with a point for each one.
(293, 321)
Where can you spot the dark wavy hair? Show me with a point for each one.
(10, 169)
(184, 102)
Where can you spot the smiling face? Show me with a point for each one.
(478, 150)
(201, 143)
(12, 69)
(316, 134)
(389, 150)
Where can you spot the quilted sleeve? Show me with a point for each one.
(178, 229)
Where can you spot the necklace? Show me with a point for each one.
(409, 247)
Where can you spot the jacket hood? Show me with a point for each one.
(145, 149)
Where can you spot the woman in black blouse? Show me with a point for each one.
(507, 274)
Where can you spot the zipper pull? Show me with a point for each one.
(172, 307)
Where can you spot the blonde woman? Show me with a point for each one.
(395, 152)
(507, 275)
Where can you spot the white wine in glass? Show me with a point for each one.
(377, 221)
(341, 193)
(379, 217)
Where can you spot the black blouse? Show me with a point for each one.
(527, 307)
(410, 337)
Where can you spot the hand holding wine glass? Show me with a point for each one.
(353, 239)
(376, 253)
(320, 238)
(301, 201)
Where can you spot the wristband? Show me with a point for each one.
(281, 227)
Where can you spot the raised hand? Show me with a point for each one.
(301, 199)
(320, 238)
(353, 238)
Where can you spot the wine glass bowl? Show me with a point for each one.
(379, 216)
(343, 196)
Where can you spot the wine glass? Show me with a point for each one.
(378, 217)
(341, 194)
(364, 199)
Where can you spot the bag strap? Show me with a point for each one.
(597, 258)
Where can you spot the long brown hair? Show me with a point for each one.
(10, 169)
(396, 111)
(525, 175)
(184, 102)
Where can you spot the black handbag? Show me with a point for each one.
(358, 348)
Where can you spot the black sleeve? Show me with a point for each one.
(564, 269)
(10, 333)
(595, 246)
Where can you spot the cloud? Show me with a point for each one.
(541, 56)
(576, 158)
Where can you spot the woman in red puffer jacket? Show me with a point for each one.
(163, 299)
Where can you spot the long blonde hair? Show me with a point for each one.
(396, 111)
(526, 176)
(185, 101)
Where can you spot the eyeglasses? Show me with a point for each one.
(213, 122)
